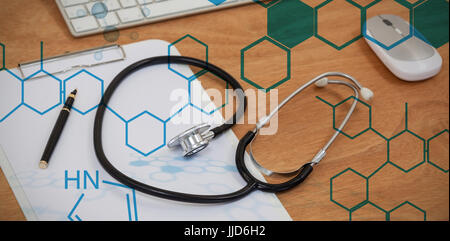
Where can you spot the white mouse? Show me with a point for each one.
(410, 60)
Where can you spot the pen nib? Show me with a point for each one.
(74, 92)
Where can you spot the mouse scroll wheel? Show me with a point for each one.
(387, 22)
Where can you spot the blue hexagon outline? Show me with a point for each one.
(411, 27)
(323, 39)
(428, 151)
(28, 78)
(3, 57)
(357, 205)
(165, 121)
(92, 75)
(288, 59)
(136, 149)
(60, 94)
(195, 75)
(199, 108)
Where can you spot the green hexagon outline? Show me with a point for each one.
(408, 4)
(195, 75)
(418, 34)
(404, 3)
(423, 146)
(368, 203)
(334, 115)
(288, 59)
(266, 5)
(428, 151)
(323, 39)
(365, 7)
(410, 204)
(357, 205)
(411, 23)
(313, 30)
(361, 132)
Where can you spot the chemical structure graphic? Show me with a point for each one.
(93, 81)
(291, 22)
(130, 198)
(364, 181)
(162, 169)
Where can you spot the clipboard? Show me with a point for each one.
(137, 124)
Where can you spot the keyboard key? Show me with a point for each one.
(67, 3)
(97, 9)
(84, 24)
(128, 3)
(130, 15)
(169, 7)
(142, 2)
(111, 5)
(110, 20)
(76, 11)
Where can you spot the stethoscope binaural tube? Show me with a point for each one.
(301, 173)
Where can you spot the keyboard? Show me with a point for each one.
(86, 17)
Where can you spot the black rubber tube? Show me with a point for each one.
(263, 186)
(151, 190)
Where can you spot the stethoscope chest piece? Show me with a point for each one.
(193, 140)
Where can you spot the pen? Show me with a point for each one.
(57, 130)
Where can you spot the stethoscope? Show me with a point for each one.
(197, 138)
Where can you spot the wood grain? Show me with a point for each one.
(305, 124)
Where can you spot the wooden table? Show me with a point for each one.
(354, 170)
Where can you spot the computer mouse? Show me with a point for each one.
(409, 57)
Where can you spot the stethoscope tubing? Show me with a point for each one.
(322, 152)
(148, 189)
(263, 186)
(252, 183)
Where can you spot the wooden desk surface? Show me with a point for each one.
(306, 123)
